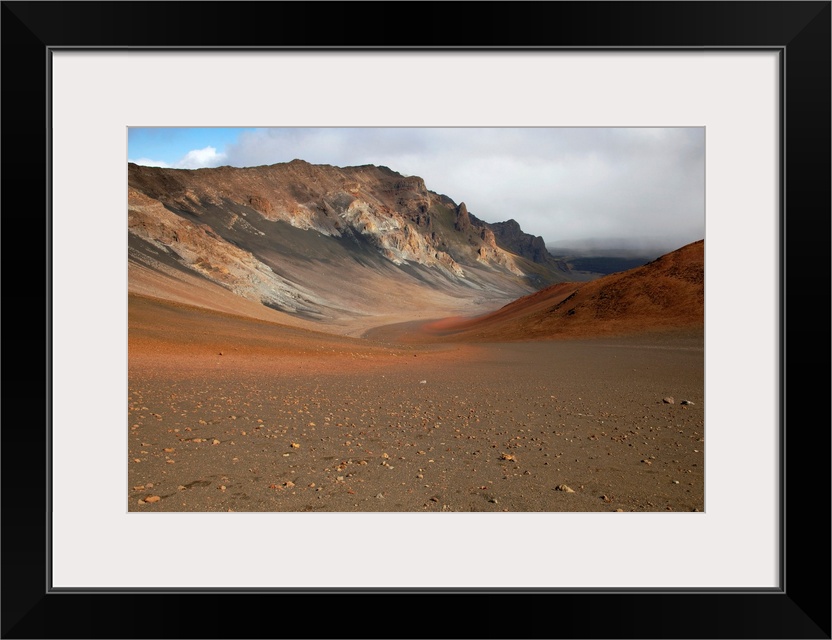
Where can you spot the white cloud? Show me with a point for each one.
(194, 159)
(147, 162)
(199, 158)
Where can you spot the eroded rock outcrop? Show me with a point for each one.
(225, 224)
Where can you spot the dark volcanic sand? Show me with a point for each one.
(415, 428)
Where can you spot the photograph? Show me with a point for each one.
(416, 319)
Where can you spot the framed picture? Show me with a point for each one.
(754, 75)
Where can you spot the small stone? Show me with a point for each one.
(675, 482)
(565, 488)
(215, 441)
(181, 487)
(289, 484)
(379, 495)
(295, 445)
(170, 461)
(149, 485)
(668, 400)
(169, 450)
(685, 402)
(152, 499)
(422, 381)
(222, 487)
(507, 456)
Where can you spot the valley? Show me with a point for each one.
(309, 338)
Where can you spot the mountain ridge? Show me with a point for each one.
(247, 230)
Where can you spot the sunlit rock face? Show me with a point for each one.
(282, 234)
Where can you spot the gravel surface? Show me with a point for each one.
(551, 426)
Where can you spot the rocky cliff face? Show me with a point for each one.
(512, 238)
(254, 230)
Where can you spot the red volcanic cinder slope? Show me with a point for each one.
(668, 293)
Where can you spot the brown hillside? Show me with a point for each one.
(668, 293)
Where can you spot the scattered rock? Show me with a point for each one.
(379, 495)
(668, 400)
(507, 456)
(565, 488)
(215, 441)
(152, 499)
(295, 445)
(685, 402)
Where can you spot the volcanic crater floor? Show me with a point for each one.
(347, 425)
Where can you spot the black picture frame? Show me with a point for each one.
(799, 31)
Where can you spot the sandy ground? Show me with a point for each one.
(227, 414)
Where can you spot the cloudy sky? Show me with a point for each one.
(627, 187)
